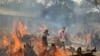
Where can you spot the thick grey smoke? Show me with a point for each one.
(53, 13)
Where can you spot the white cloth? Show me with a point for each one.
(62, 35)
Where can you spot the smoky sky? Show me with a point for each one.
(53, 13)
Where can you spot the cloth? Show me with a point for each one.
(62, 35)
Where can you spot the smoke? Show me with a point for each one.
(55, 14)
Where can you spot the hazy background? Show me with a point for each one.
(73, 14)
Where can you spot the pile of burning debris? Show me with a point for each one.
(22, 43)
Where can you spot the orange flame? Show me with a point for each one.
(22, 29)
(17, 43)
(5, 40)
(16, 39)
(38, 46)
(60, 52)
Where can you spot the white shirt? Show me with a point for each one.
(62, 35)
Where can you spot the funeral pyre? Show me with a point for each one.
(21, 43)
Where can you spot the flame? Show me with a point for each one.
(17, 44)
(5, 40)
(39, 47)
(59, 52)
(22, 29)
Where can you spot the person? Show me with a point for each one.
(61, 36)
(44, 38)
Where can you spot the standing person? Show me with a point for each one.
(45, 31)
(62, 35)
(44, 38)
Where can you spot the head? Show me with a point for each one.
(46, 32)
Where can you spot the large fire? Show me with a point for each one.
(35, 47)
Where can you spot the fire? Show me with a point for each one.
(18, 49)
(22, 29)
(60, 52)
(5, 40)
(39, 47)
(17, 42)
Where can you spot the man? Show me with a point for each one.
(62, 35)
(44, 38)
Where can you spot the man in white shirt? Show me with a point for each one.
(61, 36)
